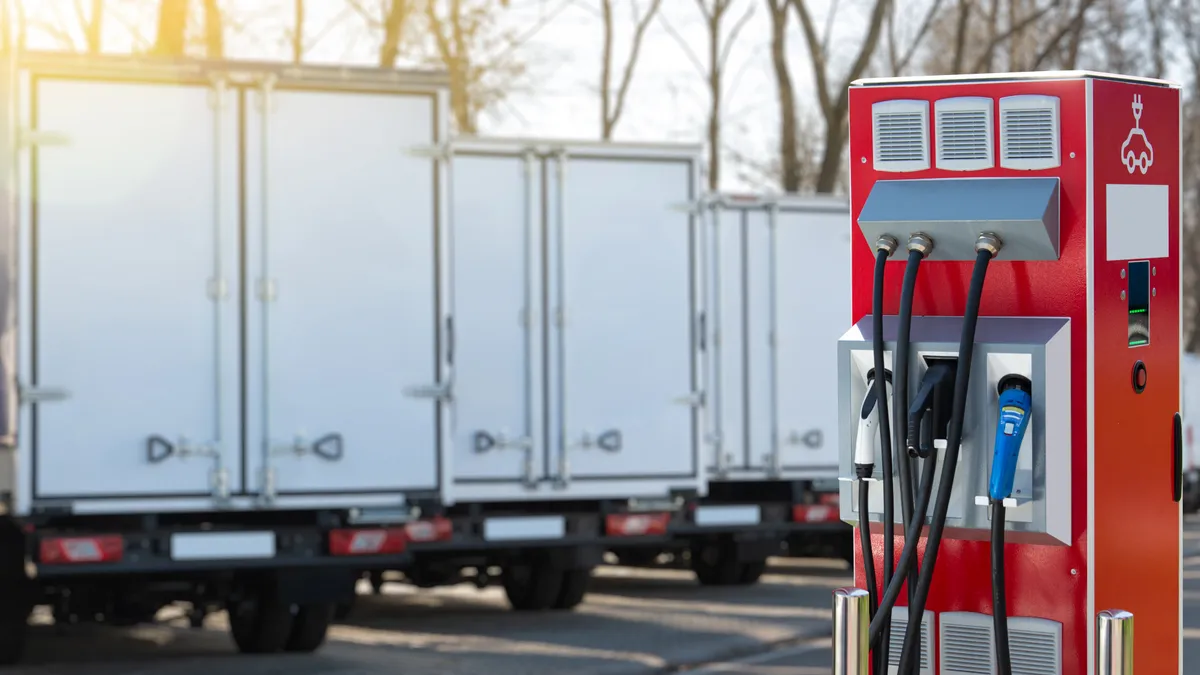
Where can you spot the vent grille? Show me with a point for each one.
(966, 650)
(901, 135)
(964, 133)
(896, 641)
(1035, 645)
(1029, 132)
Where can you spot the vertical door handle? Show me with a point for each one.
(1177, 478)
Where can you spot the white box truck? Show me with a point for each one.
(577, 366)
(777, 289)
(1190, 376)
(223, 328)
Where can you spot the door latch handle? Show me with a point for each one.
(609, 441)
(812, 439)
(440, 392)
(329, 447)
(158, 449)
(43, 394)
(1177, 477)
(482, 441)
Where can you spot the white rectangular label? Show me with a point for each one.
(534, 527)
(1138, 221)
(222, 545)
(728, 515)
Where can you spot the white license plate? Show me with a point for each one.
(728, 515)
(222, 545)
(533, 527)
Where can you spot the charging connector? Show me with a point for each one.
(868, 425)
(1016, 404)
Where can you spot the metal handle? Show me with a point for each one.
(434, 391)
(483, 441)
(609, 441)
(1177, 459)
(43, 394)
(1114, 642)
(851, 631)
(813, 438)
(158, 449)
(330, 447)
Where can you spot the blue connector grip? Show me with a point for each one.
(1016, 405)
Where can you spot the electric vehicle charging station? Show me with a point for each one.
(1037, 319)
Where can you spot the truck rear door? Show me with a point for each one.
(345, 334)
(129, 317)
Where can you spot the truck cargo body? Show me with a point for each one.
(775, 292)
(223, 320)
(576, 365)
(1191, 422)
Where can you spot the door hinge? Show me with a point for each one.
(218, 289)
(29, 138)
(441, 151)
(267, 290)
(439, 392)
(692, 400)
(42, 394)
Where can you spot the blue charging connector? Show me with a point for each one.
(1016, 406)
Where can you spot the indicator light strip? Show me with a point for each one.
(1135, 343)
(1137, 311)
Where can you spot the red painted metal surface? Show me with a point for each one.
(1051, 581)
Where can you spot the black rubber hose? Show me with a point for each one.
(885, 437)
(900, 396)
(910, 655)
(999, 601)
(864, 529)
(911, 537)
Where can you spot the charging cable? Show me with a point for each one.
(885, 246)
(1016, 405)
(987, 246)
(864, 470)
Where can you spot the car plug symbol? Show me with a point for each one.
(1140, 160)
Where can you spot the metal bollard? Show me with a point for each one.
(851, 631)
(1114, 642)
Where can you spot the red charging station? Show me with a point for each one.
(1113, 144)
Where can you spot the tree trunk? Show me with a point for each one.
(394, 23)
(714, 88)
(606, 120)
(789, 159)
(298, 33)
(214, 30)
(831, 162)
(95, 27)
(172, 27)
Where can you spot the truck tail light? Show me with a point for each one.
(433, 529)
(815, 513)
(828, 499)
(637, 524)
(78, 550)
(378, 541)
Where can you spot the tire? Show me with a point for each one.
(532, 588)
(574, 587)
(343, 610)
(751, 572)
(17, 597)
(260, 626)
(715, 565)
(14, 629)
(309, 627)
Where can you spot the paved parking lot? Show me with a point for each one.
(635, 622)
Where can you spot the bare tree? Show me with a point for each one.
(900, 58)
(719, 46)
(214, 30)
(92, 23)
(296, 39)
(171, 37)
(834, 107)
(789, 160)
(612, 106)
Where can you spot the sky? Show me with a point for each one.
(558, 97)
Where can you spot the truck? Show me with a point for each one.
(576, 373)
(224, 321)
(1190, 378)
(776, 290)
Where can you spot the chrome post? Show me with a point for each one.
(851, 630)
(1114, 642)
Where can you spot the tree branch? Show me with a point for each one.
(816, 57)
(683, 44)
(1014, 29)
(733, 33)
(638, 35)
(1076, 23)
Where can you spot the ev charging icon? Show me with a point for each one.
(1131, 158)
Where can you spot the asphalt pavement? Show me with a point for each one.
(634, 622)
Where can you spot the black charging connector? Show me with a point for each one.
(929, 414)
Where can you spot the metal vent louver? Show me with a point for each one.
(900, 132)
(1035, 645)
(1029, 132)
(896, 641)
(965, 644)
(964, 133)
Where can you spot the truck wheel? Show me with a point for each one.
(751, 572)
(715, 565)
(342, 610)
(574, 588)
(531, 587)
(260, 626)
(309, 627)
(14, 628)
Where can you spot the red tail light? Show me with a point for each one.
(76, 550)
(815, 513)
(433, 529)
(828, 499)
(637, 524)
(378, 541)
